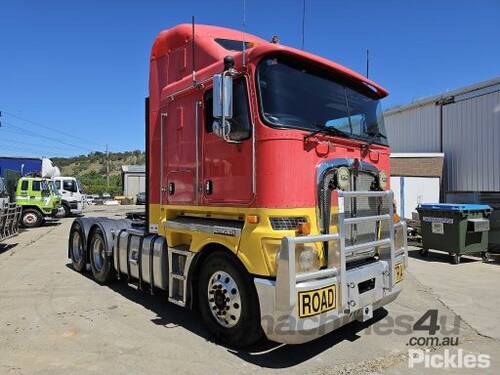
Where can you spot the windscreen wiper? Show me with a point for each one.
(328, 129)
(376, 134)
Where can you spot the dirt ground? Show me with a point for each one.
(54, 320)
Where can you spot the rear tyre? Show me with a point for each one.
(31, 218)
(455, 258)
(100, 263)
(424, 252)
(228, 301)
(76, 249)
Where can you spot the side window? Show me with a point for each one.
(240, 123)
(35, 185)
(69, 185)
(58, 185)
(209, 111)
(24, 185)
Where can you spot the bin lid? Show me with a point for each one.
(454, 207)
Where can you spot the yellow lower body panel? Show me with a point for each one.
(256, 245)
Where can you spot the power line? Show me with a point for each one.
(47, 127)
(35, 134)
(30, 144)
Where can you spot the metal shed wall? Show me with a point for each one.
(471, 142)
(414, 130)
(471, 135)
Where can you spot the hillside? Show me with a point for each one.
(91, 169)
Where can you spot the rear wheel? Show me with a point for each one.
(424, 252)
(486, 256)
(101, 264)
(76, 249)
(455, 258)
(31, 218)
(228, 301)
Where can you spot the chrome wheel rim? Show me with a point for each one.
(30, 218)
(76, 247)
(98, 252)
(224, 299)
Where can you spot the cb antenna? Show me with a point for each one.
(367, 62)
(303, 23)
(192, 52)
(244, 22)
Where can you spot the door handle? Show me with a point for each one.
(171, 188)
(208, 187)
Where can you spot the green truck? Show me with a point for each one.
(39, 199)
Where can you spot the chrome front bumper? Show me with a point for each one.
(279, 299)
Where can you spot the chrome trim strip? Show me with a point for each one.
(206, 228)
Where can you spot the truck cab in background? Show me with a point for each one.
(38, 200)
(73, 197)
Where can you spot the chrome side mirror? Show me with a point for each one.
(223, 97)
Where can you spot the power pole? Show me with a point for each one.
(107, 168)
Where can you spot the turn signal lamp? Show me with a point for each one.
(304, 229)
(253, 219)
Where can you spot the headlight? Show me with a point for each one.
(343, 178)
(382, 180)
(307, 259)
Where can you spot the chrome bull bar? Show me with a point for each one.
(287, 277)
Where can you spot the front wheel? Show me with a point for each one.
(67, 210)
(31, 218)
(228, 301)
(101, 264)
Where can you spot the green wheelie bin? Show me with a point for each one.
(457, 229)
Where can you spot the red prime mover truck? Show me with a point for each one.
(268, 205)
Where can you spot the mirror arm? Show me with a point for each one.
(225, 136)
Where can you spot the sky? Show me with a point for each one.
(74, 74)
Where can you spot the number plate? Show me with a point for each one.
(398, 272)
(317, 301)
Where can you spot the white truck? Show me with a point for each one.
(73, 196)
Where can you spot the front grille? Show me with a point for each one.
(356, 207)
(287, 222)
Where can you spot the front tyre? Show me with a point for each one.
(100, 263)
(76, 250)
(67, 210)
(228, 301)
(31, 218)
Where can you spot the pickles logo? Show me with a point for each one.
(447, 359)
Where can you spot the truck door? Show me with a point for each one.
(227, 168)
(179, 150)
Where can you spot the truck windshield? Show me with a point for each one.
(292, 95)
(80, 186)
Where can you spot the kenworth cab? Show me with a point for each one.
(268, 202)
